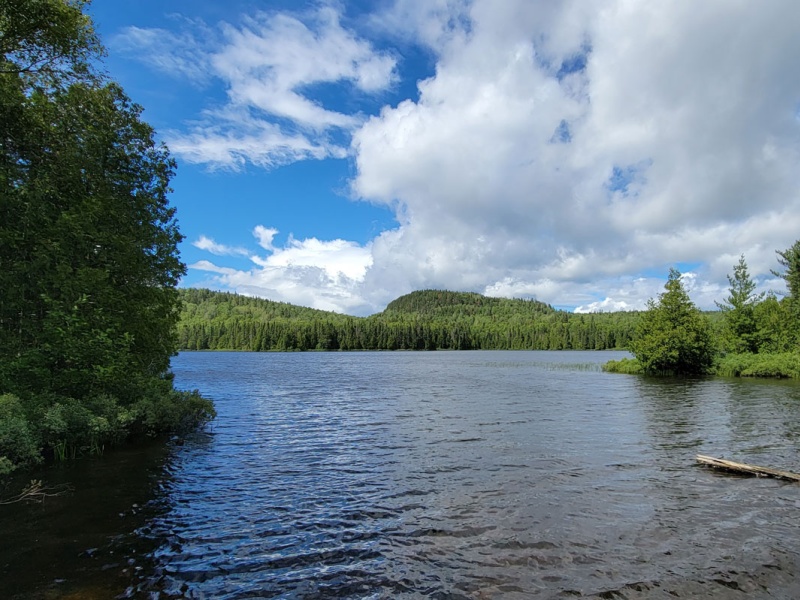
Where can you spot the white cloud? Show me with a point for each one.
(270, 58)
(607, 305)
(583, 142)
(268, 65)
(172, 52)
(432, 23)
(327, 275)
(230, 139)
(265, 236)
(208, 244)
(570, 151)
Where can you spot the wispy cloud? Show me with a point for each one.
(270, 60)
(268, 65)
(175, 53)
(209, 245)
(231, 139)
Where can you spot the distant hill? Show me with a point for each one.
(422, 320)
(442, 302)
(206, 305)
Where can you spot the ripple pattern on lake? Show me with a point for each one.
(473, 475)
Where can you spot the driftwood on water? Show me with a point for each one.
(729, 465)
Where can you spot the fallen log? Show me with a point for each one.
(729, 465)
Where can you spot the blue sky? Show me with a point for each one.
(340, 154)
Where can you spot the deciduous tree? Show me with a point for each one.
(88, 242)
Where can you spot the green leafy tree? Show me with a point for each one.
(88, 242)
(772, 317)
(47, 41)
(789, 259)
(672, 335)
(739, 308)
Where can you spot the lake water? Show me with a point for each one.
(465, 475)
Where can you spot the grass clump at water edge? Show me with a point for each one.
(628, 366)
(778, 365)
(784, 365)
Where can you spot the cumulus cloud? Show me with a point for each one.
(560, 146)
(327, 275)
(568, 151)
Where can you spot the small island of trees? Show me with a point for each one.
(758, 335)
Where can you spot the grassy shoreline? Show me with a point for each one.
(784, 365)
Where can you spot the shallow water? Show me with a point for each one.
(441, 474)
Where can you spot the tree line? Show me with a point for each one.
(750, 335)
(422, 320)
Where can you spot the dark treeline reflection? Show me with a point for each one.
(86, 543)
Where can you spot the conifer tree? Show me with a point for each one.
(739, 309)
(789, 259)
(673, 337)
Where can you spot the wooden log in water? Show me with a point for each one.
(729, 465)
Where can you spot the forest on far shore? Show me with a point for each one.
(422, 320)
(752, 334)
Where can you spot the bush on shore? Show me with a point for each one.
(782, 365)
(66, 428)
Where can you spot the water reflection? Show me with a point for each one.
(735, 527)
(84, 544)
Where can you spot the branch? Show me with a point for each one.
(36, 492)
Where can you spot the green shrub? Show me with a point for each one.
(779, 365)
(173, 412)
(18, 443)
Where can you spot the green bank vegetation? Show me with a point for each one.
(422, 320)
(756, 335)
(750, 335)
(88, 248)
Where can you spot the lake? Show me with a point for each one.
(450, 475)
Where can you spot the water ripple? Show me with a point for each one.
(473, 475)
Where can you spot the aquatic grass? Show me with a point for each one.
(779, 365)
(583, 366)
(627, 366)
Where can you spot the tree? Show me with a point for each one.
(89, 257)
(789, 259)
(772, 316)
(739, 309)
(46, 40)
(672, 336)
